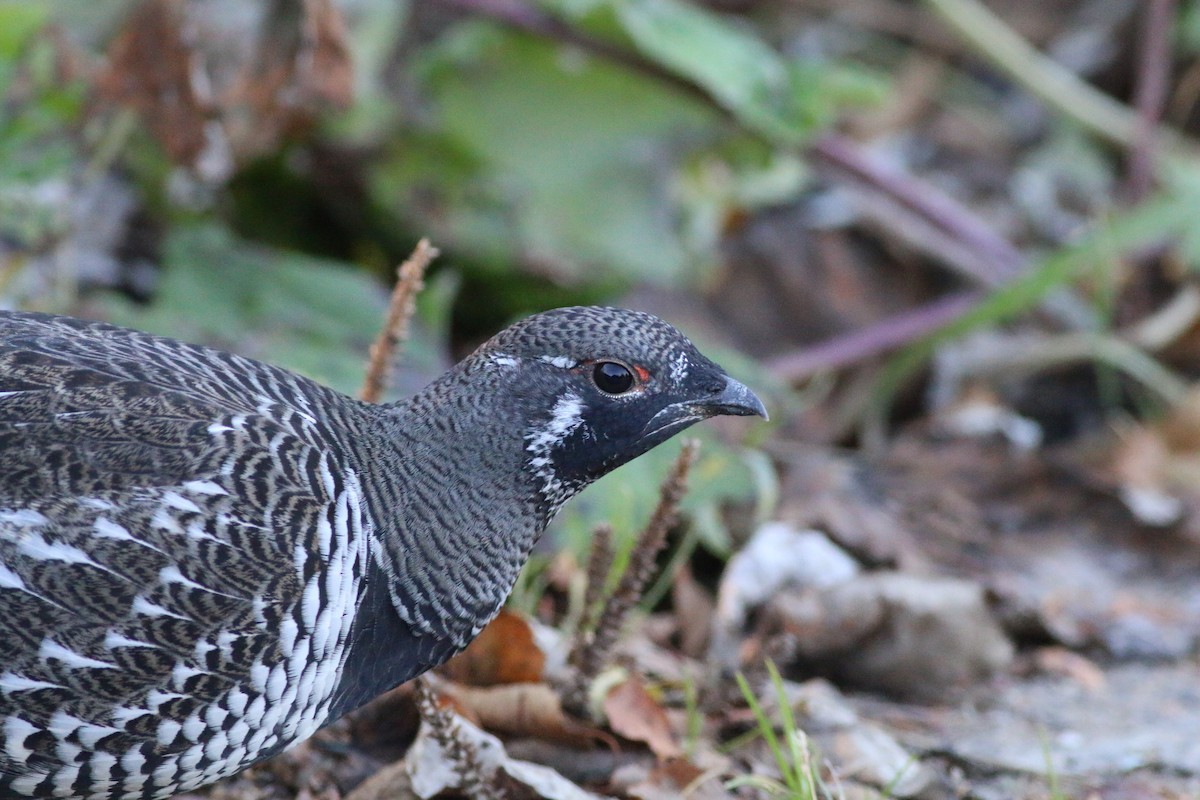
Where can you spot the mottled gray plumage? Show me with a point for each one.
(203, 558)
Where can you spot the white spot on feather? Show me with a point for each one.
(62, 724)
(10, 579)
(236, 700)
(172, 574)
(113, 640)
(205, 487)
(23, 517)
(36, 547)
(12, 682)
(148, 609)
(168, 729)
(679, 368)
(276, 683)
(27, 784)
(97, 503)
(177, 501)
(156, 697)
(562, 362)
(163, 520)
(565, 417)
(110, 530)
(16, 731)
(182, 673)
(123, 715)
(52, 649)
(193, 728)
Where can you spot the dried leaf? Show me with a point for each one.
(676, 777)
(426, 771)
(632, 713)
(302, 64)
(504, 652)
(153, 68)
(531, 710)
(694, 610)
(1061, 661)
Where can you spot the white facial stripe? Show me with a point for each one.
(565, 417)
(679, 368)
(562, 362)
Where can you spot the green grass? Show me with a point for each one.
(800, 777)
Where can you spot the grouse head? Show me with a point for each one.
(601, 386)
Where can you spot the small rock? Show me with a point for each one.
(914, 636)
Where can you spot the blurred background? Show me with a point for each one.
(952, 243)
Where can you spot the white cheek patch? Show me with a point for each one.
(679, 368)
(565, 417)
(562, 362)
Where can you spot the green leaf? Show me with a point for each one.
(737, 68)
(553, 157)
(310, 315)
(18, 22)
(626, 497)
(785, 100)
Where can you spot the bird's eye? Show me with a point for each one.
(612, 377)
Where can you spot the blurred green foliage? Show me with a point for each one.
(547, 174)
(37, 113)
(314, 316)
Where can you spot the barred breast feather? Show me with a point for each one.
(148, 496)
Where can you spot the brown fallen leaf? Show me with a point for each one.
(679, 777)
(694, 610)
(429, 769)
(532, 710)
(302, 64)
(504, 652)
(632, 713)
(1061, 661)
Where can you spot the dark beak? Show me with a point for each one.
(734, 399)
(737, 400)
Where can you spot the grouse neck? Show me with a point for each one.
(457, 512)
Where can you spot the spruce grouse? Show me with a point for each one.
(204, 559)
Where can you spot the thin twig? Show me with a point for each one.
(872, 340)
(1143, 165)
(409, 281)
(982, 255)
(599, 565)
(1150, 95)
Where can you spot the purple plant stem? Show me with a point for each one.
(874, 339)
(843, 157)
(1004, 262)
(1150, 94)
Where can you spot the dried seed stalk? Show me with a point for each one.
(410, 279)
(591, 653)
(599, 565)
(475, 780)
